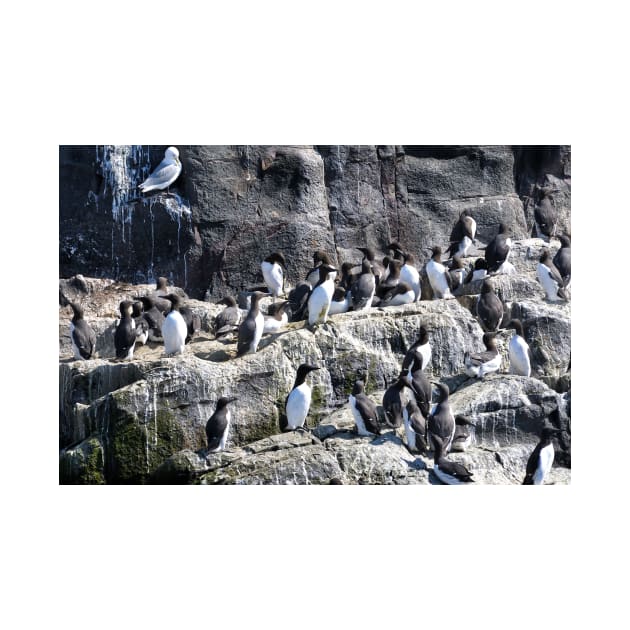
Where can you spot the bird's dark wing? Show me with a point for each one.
(532, 465)
(367, 409)
(482, 357)
(455, 469)
(246, 333)
(214, 430)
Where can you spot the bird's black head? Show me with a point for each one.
(488, 340)
(277, 257)
(339, 295)
(228, 301)
(327, 268)
(463, 420)
(565, 240)
(503, 228)
(436, 251)
(162, 284)
(174, 299)
(147, 302)
(545, 255)
(423, 336)
(481, 263)
(442, 389)
(225, 400)
(77, 310)
(137, 308)
(548, 432)
(517, 325)
(457, 263)
(486, 287)
(358, 388)
(305, 368)
(368, 252)
(126, 308)
(319, 257)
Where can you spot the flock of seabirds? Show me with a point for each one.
(395, 280)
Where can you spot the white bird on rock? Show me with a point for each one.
(165, 174)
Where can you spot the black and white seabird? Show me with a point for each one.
(81, 334)
(228, 319)
(486, 362)
(165, 174)
(251, 330)
(562, 259)
(276, 318)
(320, 257)
(550, 278)
(420, 385)
(174, 328)
(347, 277)
(463, 235)
(364, 288)
(437, 273)
(545, 214)
(273, 274)
(341, 301)
(415, 427)
(142, 325)
(364, 411)
(125, 334)
(421, 347)
(392, 279)
(409, 273)
(541, 459)
(478, 272)
(519, 351)
(400, 294)
(298, 300)
(447, 471)
(218, 426)
(489, 308)
(498, 249)
(298, 401)
(377, 268)
(395, 399)
(457, 273)
(154, 317)
(441, 423)
(321, 296)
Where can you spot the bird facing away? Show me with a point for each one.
(415, 427)
(541, 458)
(142, 326)
(482, 363)
(550, 278)
(320, 257)
(364, 411)
(81, 334)
(519, 351)
(125, 334)
(498, 249)
(174, 328)
(153, 316)
(438, 275)
(321, 296)
(298, 401)
(228, 319)
(298, 300)
(441, 423)
(489, 307)
(165, 174)
(272, 271)
(218, 426)
(364, 287)
(251, 330)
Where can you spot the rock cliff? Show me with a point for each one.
(142, 421)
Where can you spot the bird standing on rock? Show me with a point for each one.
(441, 423)
(421, 347)
(174, 329)
(276, 318)
(321, 296)
(165, 174)
(439, 278)
(153, 316)
(364, 411)
(251, 330)
(498, 249)
(218, 426)
(395, 399)
(272, 272)
(489, 307)
(81, 334)
(463, 235)
(541, 459)
(298, 401)
(519, 351)
(447, 471)
(550, 278)
(364, 288)
(228, 319)
(415, 427)
(562, 259)
(125, 334)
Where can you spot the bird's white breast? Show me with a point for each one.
(272, 273)
(437, 278)
(519, 356)
(319, 302)
(544, 464)
(411, 276)
(548, 283)
(174, 332)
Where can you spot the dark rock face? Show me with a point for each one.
(233, 205)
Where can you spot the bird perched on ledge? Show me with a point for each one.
(165, 174)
